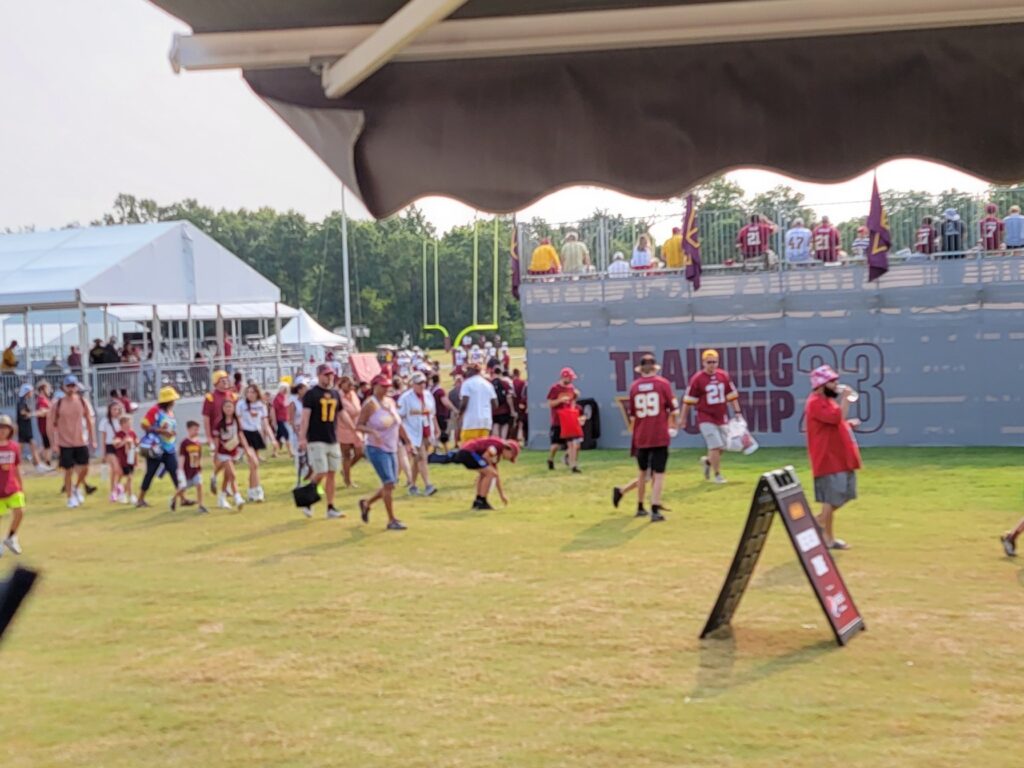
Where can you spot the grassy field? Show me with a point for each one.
(556, 632)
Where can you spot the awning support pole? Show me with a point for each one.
(220, 339)
(155, 340)
(28, 366)
(277, 336)
(83, 345)
(191, 333)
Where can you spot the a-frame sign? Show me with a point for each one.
(780, 491)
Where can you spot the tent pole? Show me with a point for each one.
(83, 344)
(191, 333)
(344, 272)
(60, 339)
(277, 330)
(28, 366)
(106, 323)
(155, 343)
(219, 331)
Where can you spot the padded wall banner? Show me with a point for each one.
(936, 350)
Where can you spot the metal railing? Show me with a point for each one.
(142, 381)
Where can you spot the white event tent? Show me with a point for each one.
(167, 264)
(304, 330)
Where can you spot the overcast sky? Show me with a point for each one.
(91, 108)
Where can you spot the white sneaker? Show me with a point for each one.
(42, 469)
(11, 542)
(334, 514)
(133, 500)
(251, 494)
(260, 496)
(79, 495)
(306, 511)
(73, 501)
(239, 501)
(720, 480)
(222, 501)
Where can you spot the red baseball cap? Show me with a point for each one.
(567, 372)
(324, 368)
(380, 380)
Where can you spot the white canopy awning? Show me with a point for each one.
(303, 329)
(162, 263)
(257, 311)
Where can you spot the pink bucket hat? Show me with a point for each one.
(567, 373)
(822, 375)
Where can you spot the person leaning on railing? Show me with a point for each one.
(1013, 228)
(672, 251)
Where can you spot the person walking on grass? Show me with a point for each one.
(318, 435)
(832, 448)
(710, 392)
(1009, 539)
(652, 410)
(252, 415)
(351, 441)
(191, 472)
(25, 410)
(12, 494)
(380, 422)
(109, 426)
(126, 444)
(562, 399)
(229, 447)
(418, 410)
(159, 446)
(73, 443)
(213, 406)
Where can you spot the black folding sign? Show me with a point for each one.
(780, 491)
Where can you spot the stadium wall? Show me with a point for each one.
(936, 349)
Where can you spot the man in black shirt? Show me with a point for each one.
(318, 434)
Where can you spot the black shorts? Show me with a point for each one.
(654, 459)
(46, 440)
(25, 433)
(255, 440)
(502, 418)
(469, 460)
(556, 436)
(127, 469)
(110, 450)
(282, 431)
(74, 457)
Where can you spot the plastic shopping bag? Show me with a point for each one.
(739, 438)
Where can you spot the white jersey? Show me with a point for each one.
(460, 357)
(798, 244)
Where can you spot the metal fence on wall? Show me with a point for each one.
(605, 234)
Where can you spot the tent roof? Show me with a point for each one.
(161, 263)
(649, 97)
(303, 329)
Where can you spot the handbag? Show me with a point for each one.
(305, 495)
(739, 439)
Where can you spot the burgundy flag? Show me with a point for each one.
(691, 243)
(516, 266)
(881, 238)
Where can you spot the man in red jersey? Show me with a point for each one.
(710, 392)
(831, 447)
(991, 229)
(652, 410)
(826, 241)
(754, 238)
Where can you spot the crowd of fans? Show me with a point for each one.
(803, 243)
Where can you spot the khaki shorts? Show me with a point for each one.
(715, 435)
(324, 457)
